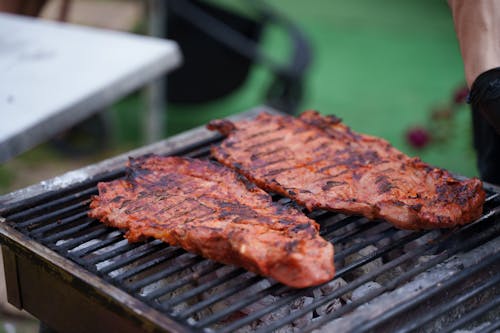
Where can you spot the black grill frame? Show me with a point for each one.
(35, 227)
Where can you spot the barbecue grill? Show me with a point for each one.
(78, 275)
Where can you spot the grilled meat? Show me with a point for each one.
(321, 163)
(209, 209)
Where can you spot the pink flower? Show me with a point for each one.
(418, 137)
(460, 95)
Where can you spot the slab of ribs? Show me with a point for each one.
(209, 209)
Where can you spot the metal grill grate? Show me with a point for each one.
(384, 276)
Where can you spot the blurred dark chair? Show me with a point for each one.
(220, 46)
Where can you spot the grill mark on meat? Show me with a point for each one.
(331, 183)
(175, 205)
(270, 163)
(460, 193)
(254, 157)
(288, 168)
(291, 247)
(189, 212)
(416, 207)
(321, 147)
(263, 143)
(265, 131)
(311, 163)
(383, 184)
(297, 131)
(270, 133)
(277, 171)
(308, 169)
(360, 174)
(310, 139)
(352, 159)
(211, 210)
(331, 166)
(304, 226)
(117, 199)
(231, 209)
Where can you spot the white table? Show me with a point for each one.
(53, 75)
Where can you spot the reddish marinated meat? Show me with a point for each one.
(321, 163)
(209, 209)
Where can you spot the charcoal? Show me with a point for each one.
(329, 307)
(368, 267)
(364, 290)
(297, 305)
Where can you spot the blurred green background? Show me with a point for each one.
(382, 66)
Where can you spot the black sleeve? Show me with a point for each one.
(485, 96)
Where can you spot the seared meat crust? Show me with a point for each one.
(209, 209)
(321, 163)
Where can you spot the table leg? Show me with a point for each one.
(156, 120)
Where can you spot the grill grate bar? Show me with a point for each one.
(200, 152)
(141, 252)
(377, 254)
(183, 281)
(493, 212)
(363, 226)
(125, 247)
(475, 313)
(203, 288)
(49, 206)
(228, 292)
(170, 252)
(337, 225)
(83, 225)
(493, 327)
(492, 197)
(54, 215)
(61, 223)
(118, 236)
(449, 306)
(235, 307)
(134, 287)
(197, 149)
(427, 294)
(372, 239)
(62, 248)
(24, 211)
